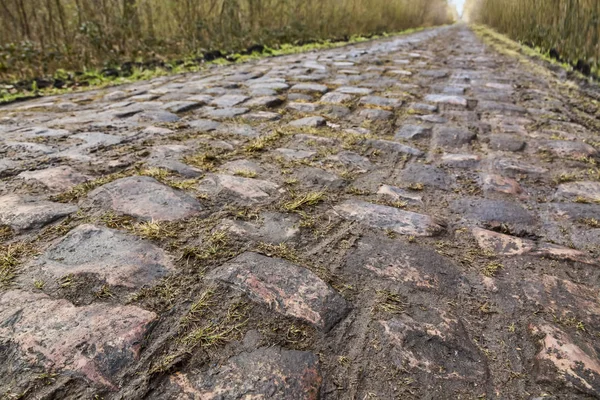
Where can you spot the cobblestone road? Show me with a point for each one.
(411, 218)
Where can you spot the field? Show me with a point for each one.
(568, 30)
(52, 38)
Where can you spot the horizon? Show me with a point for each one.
(460, 5)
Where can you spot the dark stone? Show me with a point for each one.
(265, 373)
(145, 198)
(493, 211)
(506, 143)
(290, 289)
(452, 137)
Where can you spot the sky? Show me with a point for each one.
(459, 5)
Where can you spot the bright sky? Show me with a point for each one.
(459, 5)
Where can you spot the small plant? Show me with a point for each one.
(300, 201)
(565, 177)
(215, 246)
(78, 191)
(159, 174)
(417, 186)
(262, 143)
(389, 302)
(296, 334)
(66, 281)
(152, 230)
(199, 307)
(281, 250)
(6, 232)
(344, 361)
(103, 293)
(206, 161)
(491, 269)
(185, 184)
(163, 364)
(245, 173)
(112, 220)
(357, 192)
(10, 259)
(218, 331)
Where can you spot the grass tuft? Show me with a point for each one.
(389, 302)
(10, 260)
(300, 201)
(491, 269)
(78, 191)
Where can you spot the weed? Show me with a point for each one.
(163, 364)
(78, 191)
(6, 232)
(391, 234)
(593, 174)
(198, 308)
(162, 295)
(152, 230)
(281, 250)
(565, 177)
(39, 284)
(389, 302)
(47, 378)
(344, 361)
(185, 184)
(592, 222)
(357, 192)
(263, 142)
(300, 201)
(159, 174)
(491, 269)
(416, 186)
(66, 281)
(243, 214)
(207, 161)
(10, 259)
(214, 333)
(245, 173)
(215, 246)
(112, 220)
(296, 334)
(59, 229)
(582, 200)
(103, 293)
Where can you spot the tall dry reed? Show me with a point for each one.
(37, 37)
(569, 29)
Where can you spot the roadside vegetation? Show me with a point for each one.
(54, 44)
(565, 30)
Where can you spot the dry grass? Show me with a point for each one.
(48, 37)
(152, 230)
(10, 259)
(565, 28)
(389, 302)
(78, 191)
(245, 173)
(491, 269)
(302, 200)
(281, 250)
(217, 331)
